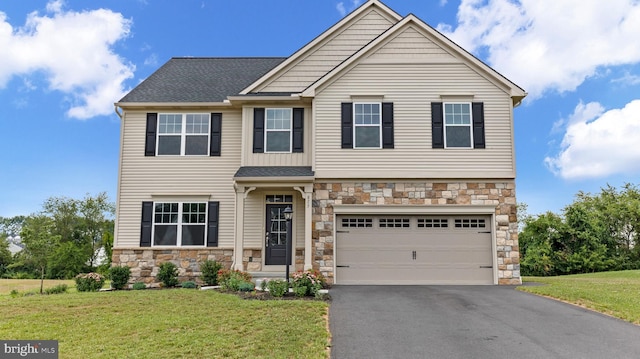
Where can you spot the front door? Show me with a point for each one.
(276, 236)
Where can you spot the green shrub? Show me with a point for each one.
(189, 285)
(209, 271)
(246, 287)
(307, 282)
(89, 282)
(278, 287)
(231, 279)
(60, 288)
(139, 286)
(14, 293)
(119, 277)
(168, 274)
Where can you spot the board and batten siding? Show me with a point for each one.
(152, 178)
(412, 87)
(255, 215)
(275, 159)
(330, 53)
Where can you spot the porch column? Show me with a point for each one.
(308, 216)
(239, 240)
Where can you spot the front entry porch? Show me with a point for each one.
(260, 227)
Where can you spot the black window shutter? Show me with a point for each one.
(387, 125)
(150, 142)
(258, 130)
(347, 125)
(146, 224)
(216, 134)
(437, 125)
(298, 130)
(477, 110)
(212, 224)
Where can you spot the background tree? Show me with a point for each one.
(40, 242)
(594, 233)
(96, 213)
(5, 255)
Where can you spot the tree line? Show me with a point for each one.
(597, 232)
(68, 236)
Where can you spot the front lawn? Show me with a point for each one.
(172, 323)
(613, 293)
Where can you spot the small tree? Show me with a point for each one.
(39, 242)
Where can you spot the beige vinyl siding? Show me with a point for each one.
(412, 45)
(330, 53)
(150, 178)
(255, 217)
(275, 159)
(412, 87)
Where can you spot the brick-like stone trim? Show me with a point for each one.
(144, 263)
(498, 194)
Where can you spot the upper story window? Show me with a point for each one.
(278, 130)
(458, 131)
(183, 134)
(367, 122)
(277, 135)
(367, 125)
(179, 224)
(457, 125)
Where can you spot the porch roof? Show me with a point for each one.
(281, 172)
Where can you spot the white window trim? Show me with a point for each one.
(470, 125)
(367, 125)
(179, 225)
(183, 134)
(266, 130)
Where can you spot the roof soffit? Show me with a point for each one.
(516, 92)
(322, 39)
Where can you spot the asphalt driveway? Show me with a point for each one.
(470, 322)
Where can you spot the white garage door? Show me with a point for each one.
(413, 250)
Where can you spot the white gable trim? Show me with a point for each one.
(327, 33)
(516, 92)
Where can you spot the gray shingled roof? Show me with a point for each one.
(274, 171)
(199, 79)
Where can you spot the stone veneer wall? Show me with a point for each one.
(499, 194)
(145, 262)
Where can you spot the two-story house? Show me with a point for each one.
(392, 145)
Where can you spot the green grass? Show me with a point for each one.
(613, 293)
(175, 323)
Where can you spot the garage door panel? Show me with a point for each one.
(458, 251)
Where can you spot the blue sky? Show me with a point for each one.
(64, 63)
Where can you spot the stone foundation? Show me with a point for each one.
(144, 263)
(498, 194)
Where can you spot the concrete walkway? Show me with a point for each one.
(470, 322)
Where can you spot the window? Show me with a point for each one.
(280, 198)
(394, 222)
(357, 222)
(179, 224)
(458, 125)
(183, 134)
(432, 223)
(367, 121)
(470, 223)
(277, 135)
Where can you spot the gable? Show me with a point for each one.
(411, 41)
(410, 44)
(328, 50)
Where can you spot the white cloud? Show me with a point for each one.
(549, 45)
(628, 79)
(73, 50)
(599, 143)
(342, 9)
